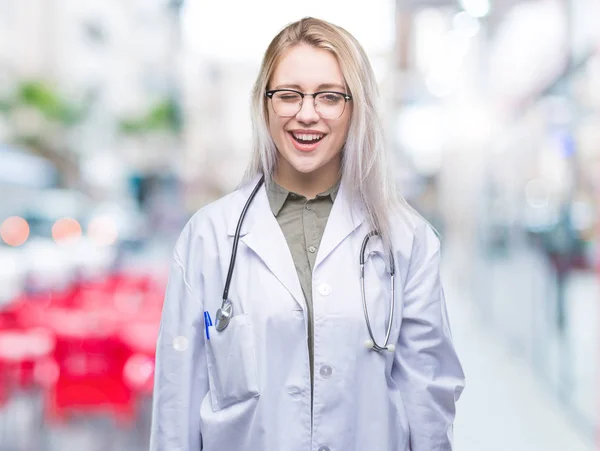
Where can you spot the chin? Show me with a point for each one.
(304, 168)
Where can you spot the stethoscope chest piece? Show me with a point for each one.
(224, 315)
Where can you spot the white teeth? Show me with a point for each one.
(305, 137)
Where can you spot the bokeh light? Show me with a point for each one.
(180, 343)
(66, 230)
(102, 230)
(476, 8)
(138, 370)
(14, 231)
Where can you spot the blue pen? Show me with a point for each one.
(207, 322)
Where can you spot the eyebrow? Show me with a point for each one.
(321, 87)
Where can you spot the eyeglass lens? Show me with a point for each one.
(329, 105)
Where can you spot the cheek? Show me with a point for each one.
(341, 129)
(275, 126)
(341, 133)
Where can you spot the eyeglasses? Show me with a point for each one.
(328, 104)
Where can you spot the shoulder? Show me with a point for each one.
(205, 225)
(412, 235)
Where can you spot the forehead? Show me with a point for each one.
(307, 68)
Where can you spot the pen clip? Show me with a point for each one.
(207, 323)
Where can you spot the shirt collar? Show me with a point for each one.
(278, 195)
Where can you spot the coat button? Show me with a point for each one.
(325, 371)
(324, 289)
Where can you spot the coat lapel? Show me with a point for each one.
(261, 233)
(345, 217)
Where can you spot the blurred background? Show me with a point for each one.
(120, 118)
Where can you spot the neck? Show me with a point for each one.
(308, 185)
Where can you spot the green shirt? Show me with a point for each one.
(303, 223)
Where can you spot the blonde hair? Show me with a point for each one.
(363, 156)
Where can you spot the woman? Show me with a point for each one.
(290, 370)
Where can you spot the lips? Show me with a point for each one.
(306, 142)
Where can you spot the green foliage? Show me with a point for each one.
(163, 116)
(42, 97)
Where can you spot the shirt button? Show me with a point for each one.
(312, 249)
(308, 206)
(324, 289)
(325, 371)
(324, 448)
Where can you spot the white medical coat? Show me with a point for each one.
(247, 388)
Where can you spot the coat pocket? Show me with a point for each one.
(232, 366)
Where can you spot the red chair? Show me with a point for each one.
(21, 350)
(105, 334)
(90, 363)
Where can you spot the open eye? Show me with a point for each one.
(330, 98)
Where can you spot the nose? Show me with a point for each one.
(308, 113)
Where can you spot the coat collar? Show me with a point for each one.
(345, 217)
(261, 232)
(239, 199)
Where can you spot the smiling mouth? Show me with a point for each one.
(307, 138)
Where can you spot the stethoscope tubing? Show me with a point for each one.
(236, 238)
(373, 343)
(225, 312)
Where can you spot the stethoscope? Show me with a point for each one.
(225, 312)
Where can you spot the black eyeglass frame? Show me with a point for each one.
(346, 97)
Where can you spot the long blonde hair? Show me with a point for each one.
(363, 156)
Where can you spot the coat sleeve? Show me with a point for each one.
(426, 367)
(180, 380)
